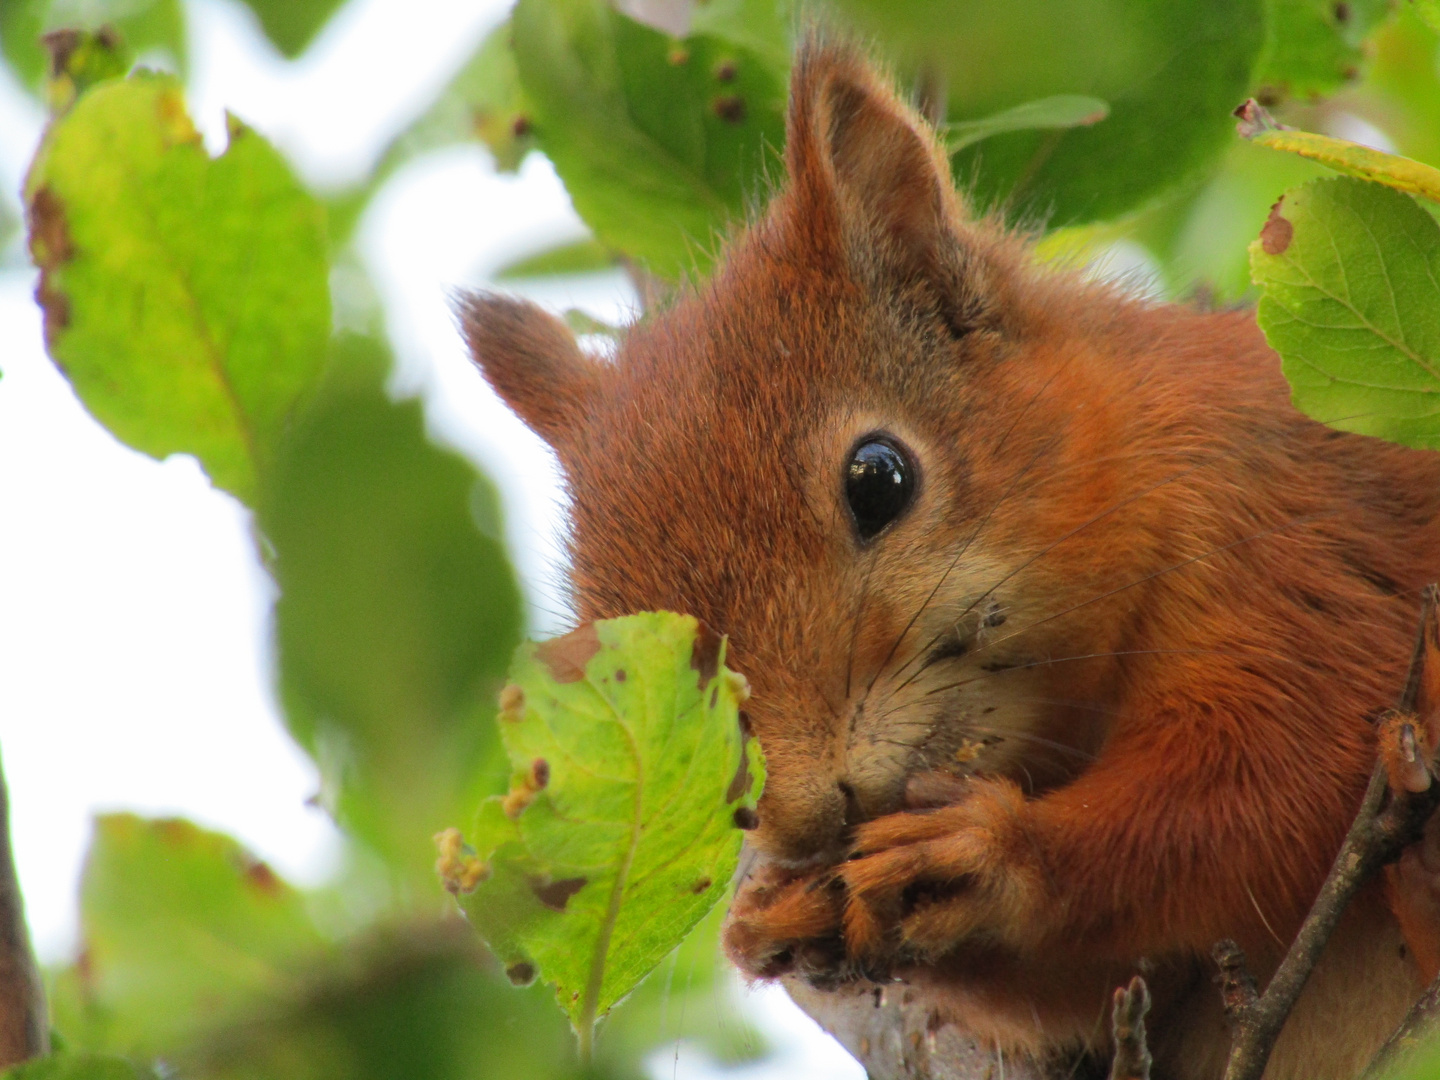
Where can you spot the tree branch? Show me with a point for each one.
(24, 1024)
(1388, 821)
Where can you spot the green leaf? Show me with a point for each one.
(182, 931)
(618, 833)
(79, 1067)
(1313, 46)
(186, 298)
(1351, 278)
(574, 257)
(292, 24)
(397, 610)
(1429, 10)
(1059, 111)
(145, 26)
(658, 142)
(1171, 71)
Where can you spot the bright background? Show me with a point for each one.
(133, 612)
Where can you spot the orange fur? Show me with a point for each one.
(1104, 695)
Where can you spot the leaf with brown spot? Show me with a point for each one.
(705, 657)
(567, 655)
(556, 894)
(594, 880)
(1276, 234)
(1350, 280)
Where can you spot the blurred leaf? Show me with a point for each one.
(1351, 278)
(582, 323)
(424, 1001)
(759, 26)
(1060, 111)
(573, 257)
(1313, 46)
(197, 954)
(292, 24)
(1209, 247)
(483, 101)
(1429, 10)
(1394, 171)
(397, 609)
(659, 142)
(1171, 70)
(618, 833)
(144, 25)
(185, 298)
(1402, 87)
(79, 1067)
(79, 59)
(181, 930)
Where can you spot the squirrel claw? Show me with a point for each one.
(930, 881)
(782, 925)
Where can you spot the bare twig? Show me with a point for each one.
(1132, 1054)
(24, 1026)
(1387, 823)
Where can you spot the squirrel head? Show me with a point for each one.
(838, 451)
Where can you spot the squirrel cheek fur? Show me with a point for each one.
(1101, 696)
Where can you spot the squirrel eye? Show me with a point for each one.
(879, 485)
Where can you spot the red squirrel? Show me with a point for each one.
(1067, 633)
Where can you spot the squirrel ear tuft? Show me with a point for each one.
(532, 361)
(867, 172)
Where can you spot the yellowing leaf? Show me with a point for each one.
(186, 298)
(1392, 170)
(619, 831)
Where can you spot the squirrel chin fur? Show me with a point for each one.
(1103, 694)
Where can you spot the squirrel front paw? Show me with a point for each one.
(922, 883)
(787, 923)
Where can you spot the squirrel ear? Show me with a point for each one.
(532, 361)
(867, 170)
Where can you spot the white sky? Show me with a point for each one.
(133, 667)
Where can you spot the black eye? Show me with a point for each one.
(879, 484)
